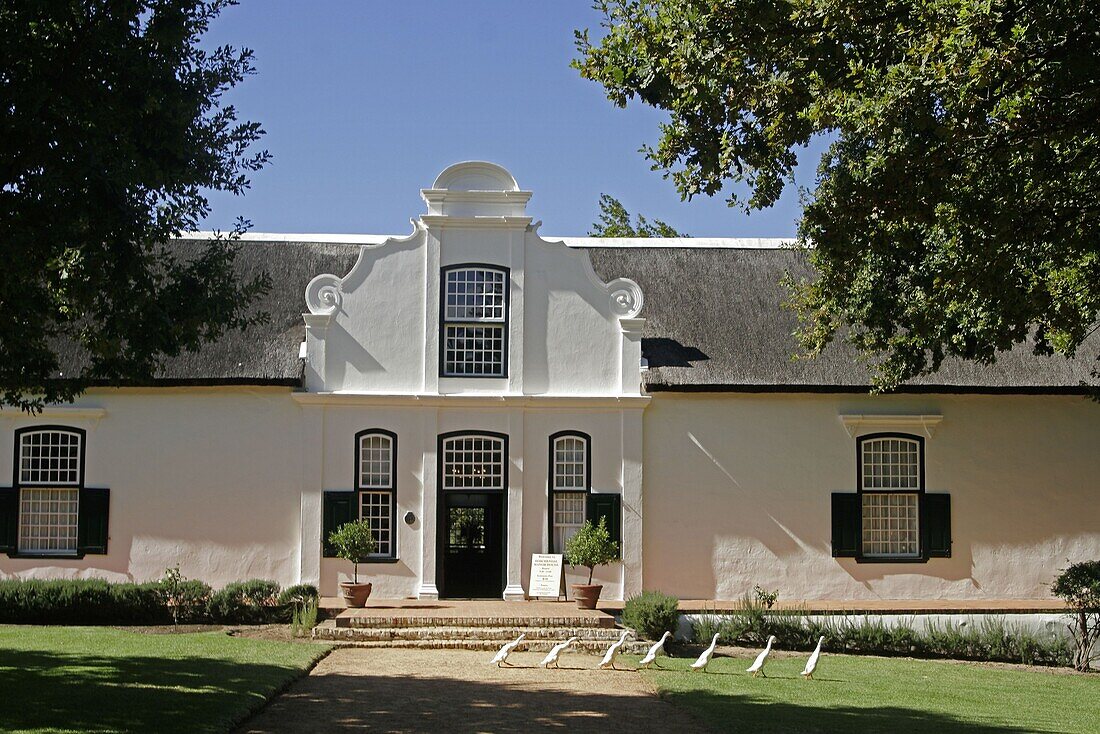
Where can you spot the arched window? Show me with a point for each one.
(473, 461)
(376, 484)
(891, 479)
(570, 483)
(474, 328)
(50, 473)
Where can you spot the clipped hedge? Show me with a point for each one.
(81, 601)
(100, 602)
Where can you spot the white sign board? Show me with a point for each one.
(545, 574)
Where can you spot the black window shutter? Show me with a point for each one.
(9, 519)
(93, 521)
(338, 510)
(608, 506)
(846, 522)
(936, 525)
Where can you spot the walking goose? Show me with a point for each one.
(609, 657)
(811, 664)
(758, 665)
(501, 658)
(704, 659)
(651, 656)
(552, 656)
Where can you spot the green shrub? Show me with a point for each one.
(651, 614)
(246, 602)
(294, 599)
(80, 601)
(186, 599)
(304, 618)
(298, 594)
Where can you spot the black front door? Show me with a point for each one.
(473, 545)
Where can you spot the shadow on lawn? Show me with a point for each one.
(341, 702)
(82, 692)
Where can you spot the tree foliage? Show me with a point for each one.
(615, 222)
(955, 211)
(1079, 587)
(112, 126)
(591, 546)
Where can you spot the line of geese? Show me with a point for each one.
(608, 661)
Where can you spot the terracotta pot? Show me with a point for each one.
(586, 595)
(355, 595)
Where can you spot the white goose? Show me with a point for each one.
(552, 656)
(758, 664)
(501, 658)
(704, 659)
(651, 656)
(811, 664)
(609, 657)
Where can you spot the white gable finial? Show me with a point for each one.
(475, 189)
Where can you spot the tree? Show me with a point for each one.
(1079, 587)
(113, 126)
(955, 211)
(615, 222)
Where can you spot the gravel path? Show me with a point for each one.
(390, 690)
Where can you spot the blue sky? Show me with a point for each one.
(365, 102)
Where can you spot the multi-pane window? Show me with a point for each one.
(568, 516)
(473, 462)
(49, 490)
(375, 461)
(475, 322)
(569, 486)
(49, 457)
(47, 520)
(376, 480)
(570, 462)
(891, 483)
(375, 508)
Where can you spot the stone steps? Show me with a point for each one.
(455, 637)
(351, 620)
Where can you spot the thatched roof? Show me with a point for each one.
(715, 322)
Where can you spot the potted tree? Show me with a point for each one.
(590, 546)
(354, 542)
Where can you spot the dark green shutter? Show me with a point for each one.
(9, 519)
(92, 521)
(609, 507)
(936, 525)
(339, 509)
(846, 522)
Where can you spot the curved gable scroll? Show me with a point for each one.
(325, 292)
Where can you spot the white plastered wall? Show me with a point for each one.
(737, 492)
(205, 478)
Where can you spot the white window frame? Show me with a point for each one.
(568, 487)
(891, 481)
(471, 461)
(374, 482)
(476, 322)
(55, 499)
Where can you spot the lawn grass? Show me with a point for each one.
(869, 694)
(95, 679)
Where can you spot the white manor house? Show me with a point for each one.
(476, 391)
